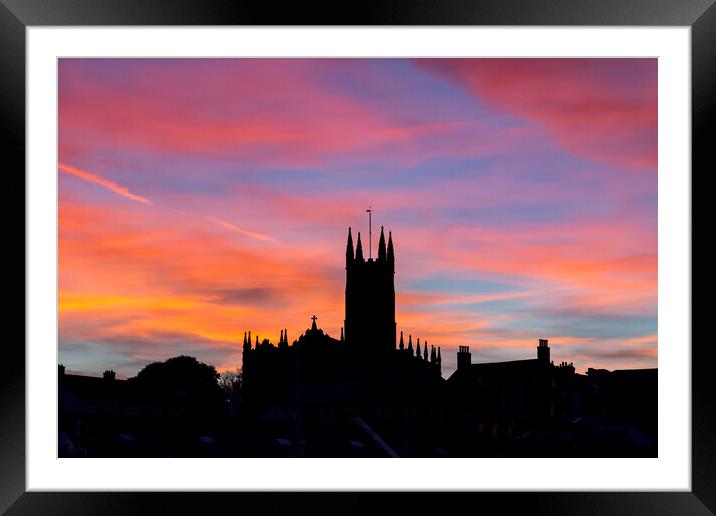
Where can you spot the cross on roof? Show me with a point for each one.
(314, 319)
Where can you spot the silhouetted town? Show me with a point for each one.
(371, 392)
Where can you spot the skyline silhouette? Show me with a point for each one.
(364, 394)
(198, 198)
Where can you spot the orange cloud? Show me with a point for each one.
(131, 274)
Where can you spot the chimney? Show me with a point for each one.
(109, 375)
(463, 358)
(543, 351)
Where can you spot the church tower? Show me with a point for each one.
(370, 296)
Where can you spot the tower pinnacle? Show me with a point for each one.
(359, 250)
(381, 246)
(391, 253)
(349, 248)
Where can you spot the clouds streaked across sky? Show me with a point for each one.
(198, 197)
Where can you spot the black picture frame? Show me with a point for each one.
(700, 15)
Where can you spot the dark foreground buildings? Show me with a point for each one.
(372, 392)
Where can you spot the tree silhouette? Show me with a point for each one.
(182, 380)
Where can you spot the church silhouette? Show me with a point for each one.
(371, 392)
(397, 388)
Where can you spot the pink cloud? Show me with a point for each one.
(603, 109)
(281, 115)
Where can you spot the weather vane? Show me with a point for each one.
(370, 232)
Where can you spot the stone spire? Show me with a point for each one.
(359, 250)
(391, 253)
(381, 246)
(349, 248)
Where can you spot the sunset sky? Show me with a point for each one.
(201, 198)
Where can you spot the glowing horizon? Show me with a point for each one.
(199, 197)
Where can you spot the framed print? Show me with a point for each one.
(441, 250)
